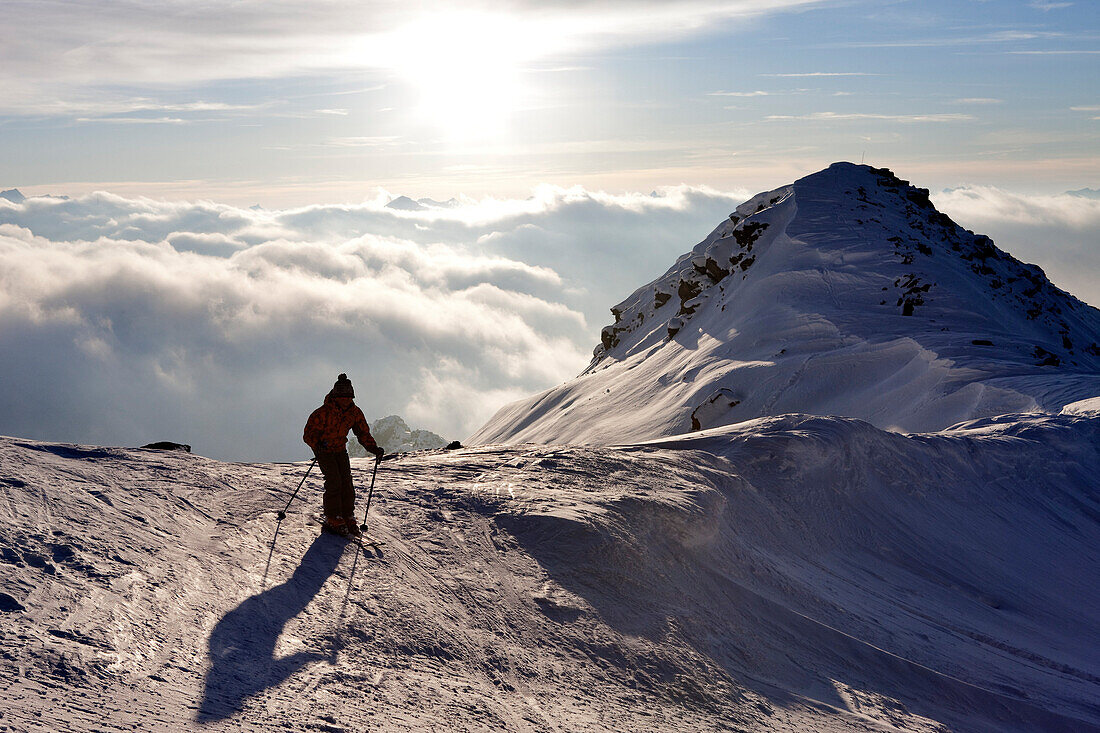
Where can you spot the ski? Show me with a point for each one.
(366, 543)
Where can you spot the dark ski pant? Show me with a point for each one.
(339, 500)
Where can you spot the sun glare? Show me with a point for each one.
(467, 70)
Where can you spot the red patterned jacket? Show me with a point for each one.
(327, 428)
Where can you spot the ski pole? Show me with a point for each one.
(282, 515)
(370, 493)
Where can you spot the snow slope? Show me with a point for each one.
(845, 293)
(790, 573)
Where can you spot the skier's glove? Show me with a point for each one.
(378, 451)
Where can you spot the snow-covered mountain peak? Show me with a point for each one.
(404, 203)
(394, 435)
(843, 293)
(14, 195)
(850, 218)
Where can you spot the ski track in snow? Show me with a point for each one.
(790, 573)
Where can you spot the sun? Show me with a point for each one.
(467, 70)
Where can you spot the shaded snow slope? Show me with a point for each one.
(791, 573)
(845, 293)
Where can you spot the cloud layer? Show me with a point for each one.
(128, 320)
(1058, 233)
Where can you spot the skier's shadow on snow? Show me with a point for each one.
(242, 645)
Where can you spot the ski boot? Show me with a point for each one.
(336, 526)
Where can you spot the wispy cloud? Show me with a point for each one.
(842, 116)
(978, 100)
(824, 73)
(1057, 52)
(1047, 5)
(109, 104)
(740, 94)
(381, 141)
(57, 51)
(196, 106)
(992, 37)
(136, 120)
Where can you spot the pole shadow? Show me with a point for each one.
(242, 645)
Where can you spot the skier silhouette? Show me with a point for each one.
(326, 433)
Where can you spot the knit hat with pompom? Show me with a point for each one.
(343, 387)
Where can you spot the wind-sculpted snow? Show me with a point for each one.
(845, 293)
(790, 573)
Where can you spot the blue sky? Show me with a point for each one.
(285, 103)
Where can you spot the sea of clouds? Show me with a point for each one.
(1060, 233)
(130, 320)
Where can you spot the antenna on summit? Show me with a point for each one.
(862, 156)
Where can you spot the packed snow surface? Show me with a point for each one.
(788, 573)
(844, 293)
